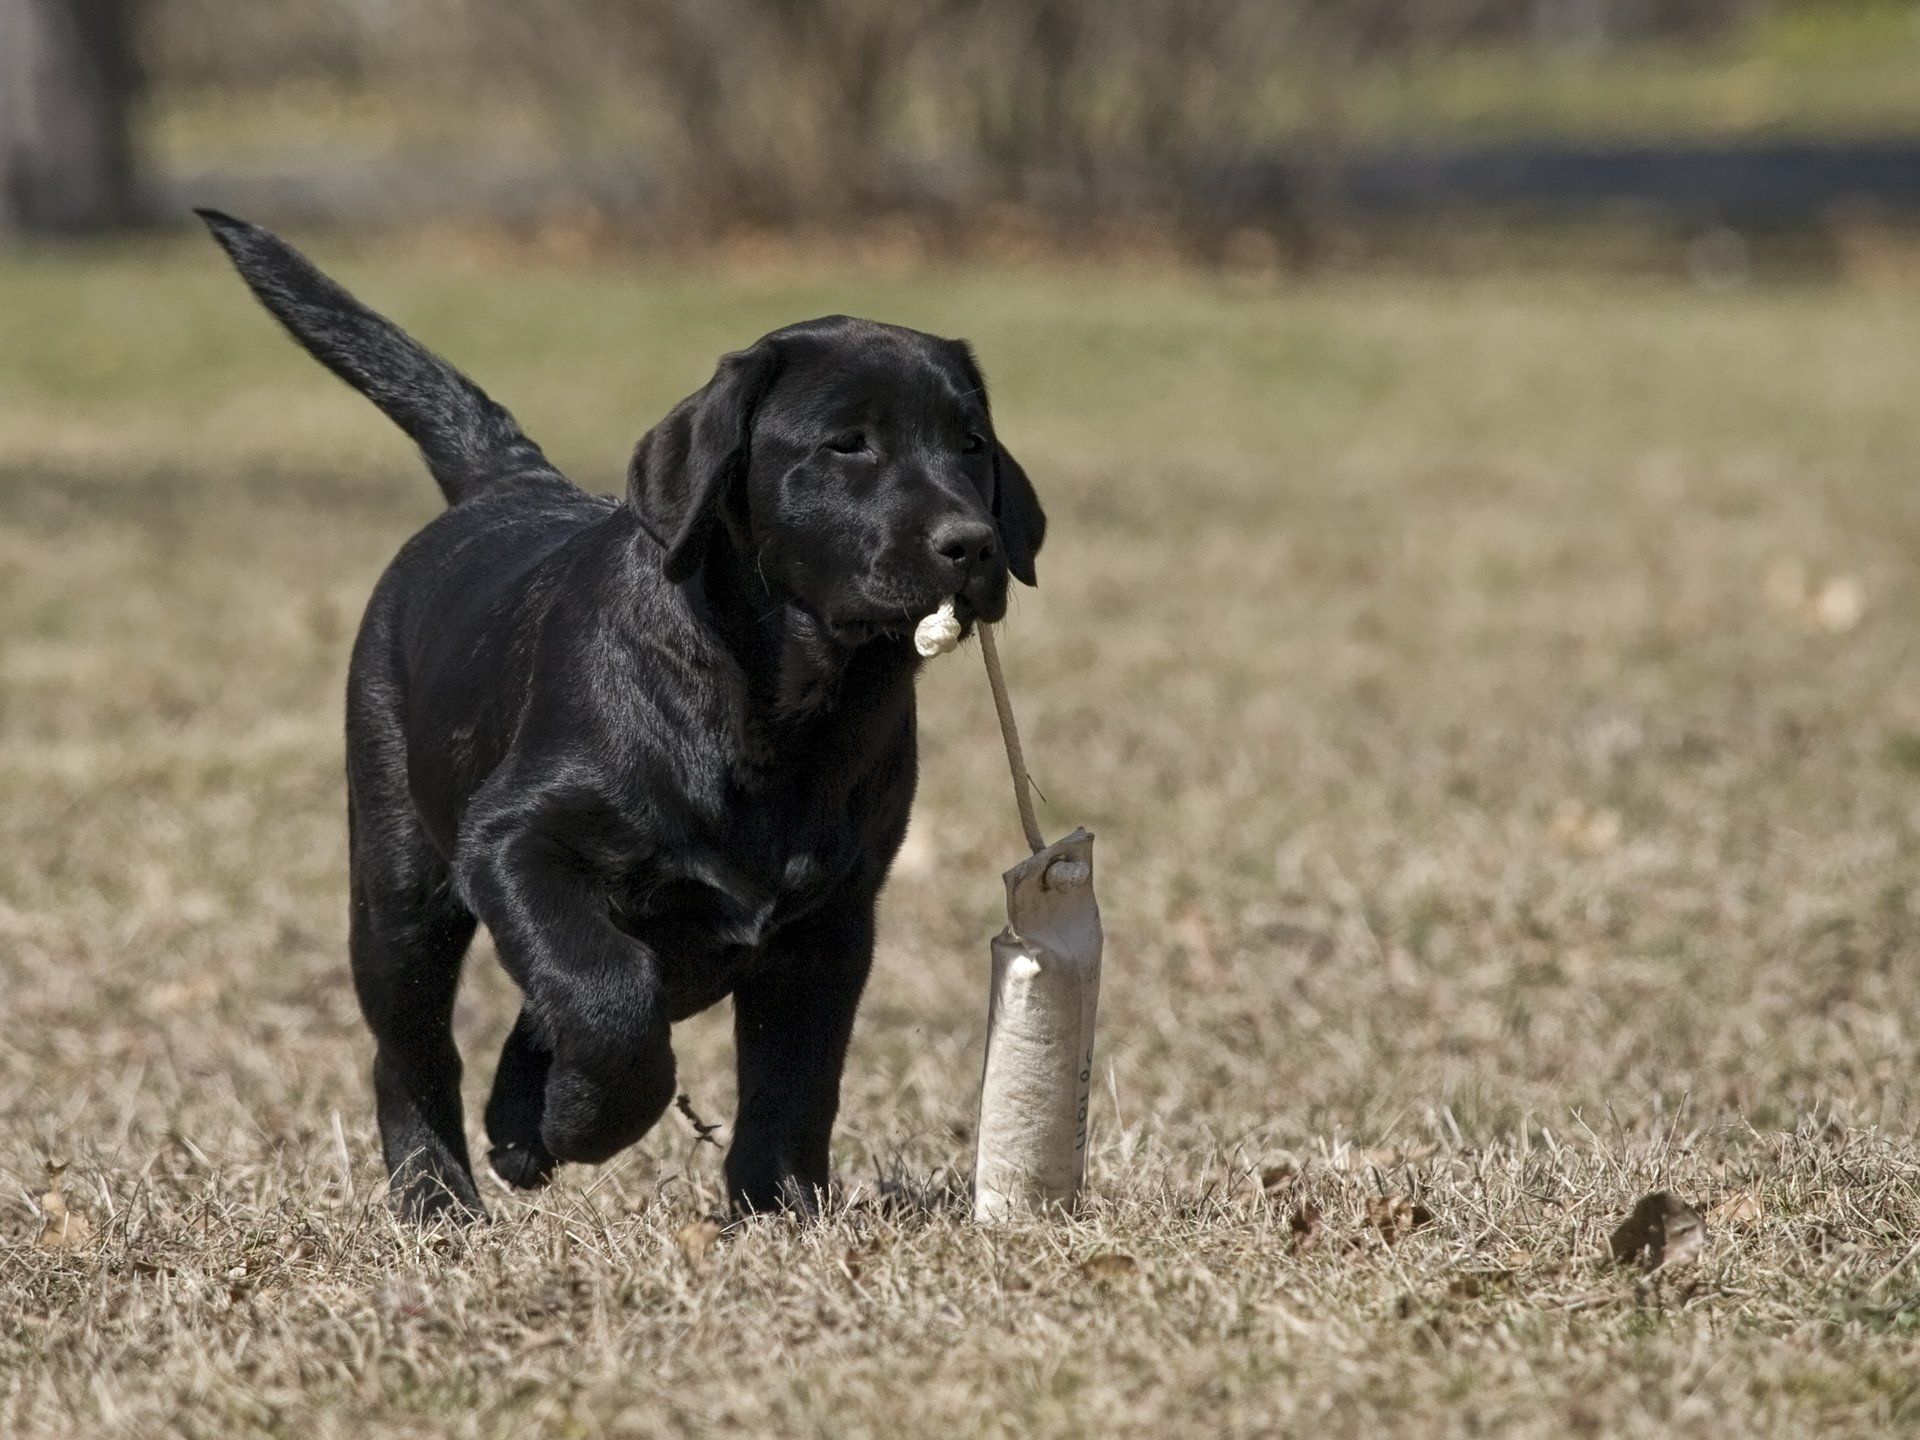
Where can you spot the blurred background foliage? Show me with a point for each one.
(1196, 120)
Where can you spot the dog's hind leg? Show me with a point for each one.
(518, 1155)
(408, 935)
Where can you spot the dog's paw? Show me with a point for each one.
(523, 1166)
(589, 1118)
(765, 1185)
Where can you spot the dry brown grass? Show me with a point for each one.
(1498, 706)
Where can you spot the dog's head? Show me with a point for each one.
(854, 467)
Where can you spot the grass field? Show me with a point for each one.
(1499, 706)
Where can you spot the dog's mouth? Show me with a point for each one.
(854, 630)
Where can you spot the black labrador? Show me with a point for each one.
(663, 747)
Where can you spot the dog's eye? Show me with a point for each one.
(973, 444)
(851, 443)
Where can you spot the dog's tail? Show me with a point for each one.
(469, 442)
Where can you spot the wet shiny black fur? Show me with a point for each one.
(661, 746)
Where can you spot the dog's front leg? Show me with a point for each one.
(791, 1022)
(594, 997)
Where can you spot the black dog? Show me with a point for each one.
(663, 747)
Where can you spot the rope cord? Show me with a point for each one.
(1016, 760)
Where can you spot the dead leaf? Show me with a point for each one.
(1663, 1230)
(1395, 1216)
(1826, 1239)
(1273, 1176)
(1305, 1226)
(1110, 1267)
(1471, 1284)
(695, 1239)
(1740, 1208)
(62, 1228)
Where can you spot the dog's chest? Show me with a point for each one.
(709, 906)
(753, 849)
(749, 892)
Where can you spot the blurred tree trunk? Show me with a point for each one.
(67, 85)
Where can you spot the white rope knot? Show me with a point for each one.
(939, 633)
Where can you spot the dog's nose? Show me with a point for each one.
(966, 545)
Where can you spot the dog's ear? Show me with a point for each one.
(685, 466)
(1017, 513)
